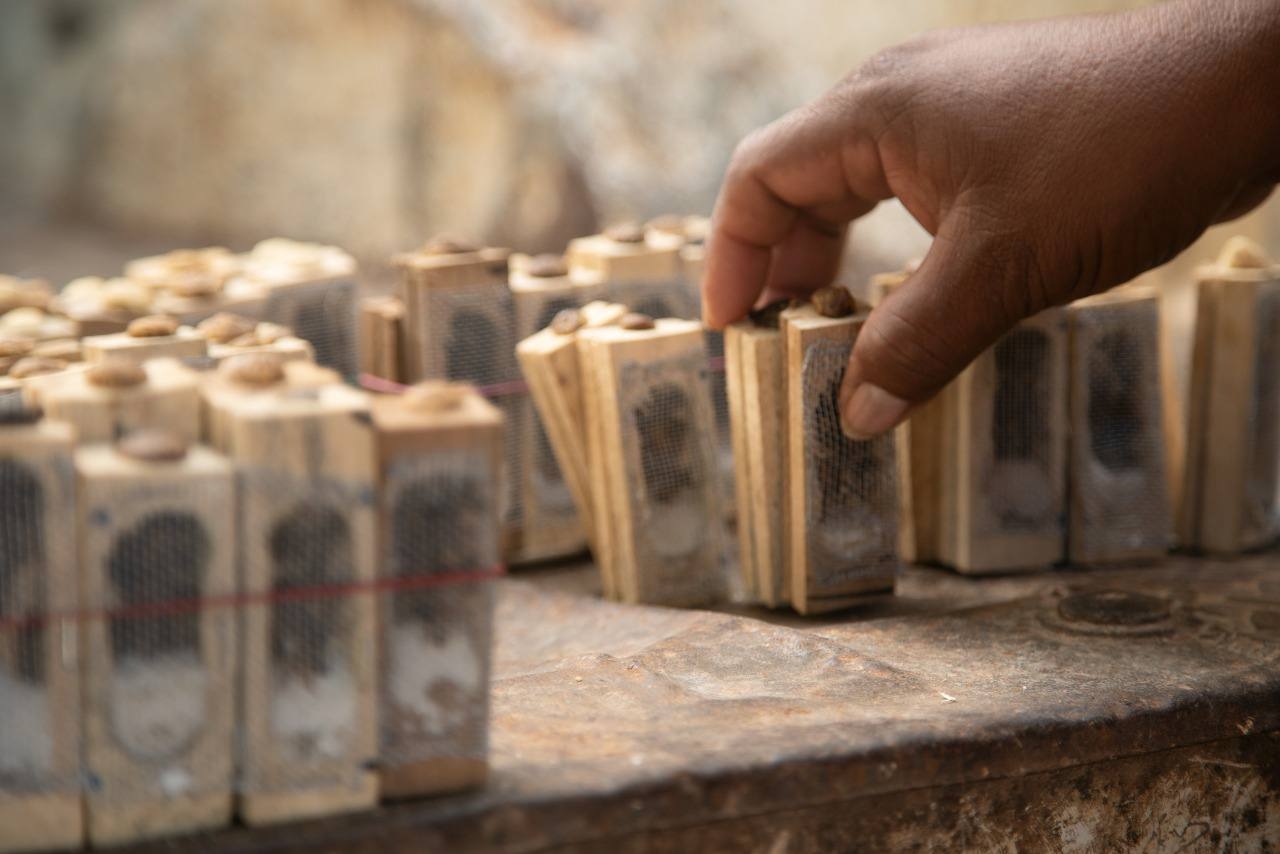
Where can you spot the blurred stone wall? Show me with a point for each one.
(374, 123)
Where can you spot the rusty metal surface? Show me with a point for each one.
(1009, 712)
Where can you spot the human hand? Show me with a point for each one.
(1050, 160)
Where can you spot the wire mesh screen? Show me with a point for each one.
(323, 313)
(1261, 518)
(1119, 488)
(441, 545)
(1018, 485)
(30, 712)
(669, 445)
(476, 331)
(308, 631)
(851, 495)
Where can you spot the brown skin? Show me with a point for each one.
(1050, 160)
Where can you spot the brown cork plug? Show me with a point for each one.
(833, 301)
(225, 326)
(444, 244)
(153, 446)
(625, 232)
(667, 224)
(256, 369)
(67, 349)
(35, 366)
(16, 346)
(546, 267)
(567, 321)
(636, 321)
(434, 396)
(116, 373)
(1241, 253)
(152, 326)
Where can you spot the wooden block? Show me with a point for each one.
(40, 800)
(742, 480)
(312, 290)
(440, 455)
(307, 472)
(183, 343)
(841, 493)
(993, 447)
(35, 324)
(288, 348)
(1233, 439)
(549, 361)
(381, 337)
(656, 446)
(1119, 508)
(107, 400)
(156, 538)
(541, 288)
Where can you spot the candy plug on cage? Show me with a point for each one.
(440, 456)
(157, 539)
(640, 269)
(651, 460)
(114, 396)
(40, 804)
(305, 461)
(1119, 507)
(842, 509)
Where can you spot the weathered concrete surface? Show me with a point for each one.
(961, 713)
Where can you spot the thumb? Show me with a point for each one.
(964, 296)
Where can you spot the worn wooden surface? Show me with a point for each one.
(962, 712)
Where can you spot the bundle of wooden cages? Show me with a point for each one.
(835, 496)
(461, 309)
(275, 602)
(1050, 446)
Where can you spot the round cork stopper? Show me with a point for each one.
(1241, 253)
(153, 446)
(567, 321)
(16, 346)
(436, 396)
(636, 321)
(35, 366)
(116, 373)
(255, 369)
(225, 326)
(625, 232)
(667, 224)
(447, 244)
(67, 349)
(546, 267)
(152, 326)
(195, 285)
(833, 302)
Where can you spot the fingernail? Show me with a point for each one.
(871, 411)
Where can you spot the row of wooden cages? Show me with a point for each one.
(1063, 443)
(250, 589)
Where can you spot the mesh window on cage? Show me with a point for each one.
(26, 748)
(158, 679)
(1116, 401)
(1019, 484)
(313, 705)
(323, 314)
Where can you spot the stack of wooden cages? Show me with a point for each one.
(245, 589)
(835, 497)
